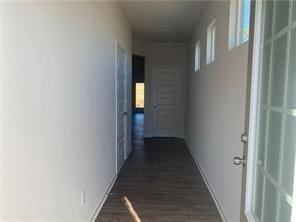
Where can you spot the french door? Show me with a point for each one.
(271, 186)
(120, 107)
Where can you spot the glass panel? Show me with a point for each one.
(289, 155)
(257, 205)
(268, 19)
(246, 20)
(265, 74)
(270, 202)
(285, 211)
(281, 14)
(278, 71)
(291, 97)
(262, 135)
(197, 56)
(294, 10)
(272, 164)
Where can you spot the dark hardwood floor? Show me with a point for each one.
(161, 181)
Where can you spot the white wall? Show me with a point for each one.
(160, 54)
(215, 109)
(58, 98)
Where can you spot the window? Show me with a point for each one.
(139, 95)
(239, 22)
(197, 56)
(211, 36)
(246, 9)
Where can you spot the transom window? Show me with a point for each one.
(211, 38)
(197, 56)
(239, 22)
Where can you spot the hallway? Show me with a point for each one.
(217, 83)
(159, 179)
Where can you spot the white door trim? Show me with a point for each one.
(253, 112)
(180, 88)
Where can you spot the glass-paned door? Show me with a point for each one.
(275, 131)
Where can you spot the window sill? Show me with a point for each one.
(237, 46)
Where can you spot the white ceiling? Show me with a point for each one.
(147, 18)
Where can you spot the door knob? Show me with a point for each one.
(154, 106)
(239, 161)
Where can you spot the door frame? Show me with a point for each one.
(252, 60)
(180, 88)
(119, 45)
(255, 56)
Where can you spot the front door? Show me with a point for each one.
(270, 177)
(166, 101)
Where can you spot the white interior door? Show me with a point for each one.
(121, 106)
(270, 195)
(166, 84)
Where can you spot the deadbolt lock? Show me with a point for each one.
(239, 161)
(244, 137)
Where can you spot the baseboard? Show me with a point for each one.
(181, 136)
(128, 154)
(146, 135)
(97, 210)
(214, 196)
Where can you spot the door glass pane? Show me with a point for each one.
(289, 155)
(257, 207)
(270, 202)
(282, 14)
(262, 136)
(278, 71)
(265, 74)
(268, 19)
(273, 149)
(285, 211)
(294, 10)
(291, 102)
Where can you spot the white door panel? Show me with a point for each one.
(166, 84)
(121, 106)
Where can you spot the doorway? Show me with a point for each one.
(138, 88)
(138, 97)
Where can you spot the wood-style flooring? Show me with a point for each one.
(161, 181)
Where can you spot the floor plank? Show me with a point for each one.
(162, 183)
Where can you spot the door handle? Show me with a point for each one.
(125, 113)
(154, 106)
(239, 161)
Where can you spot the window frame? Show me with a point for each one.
(211, 42)
(197, 58)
